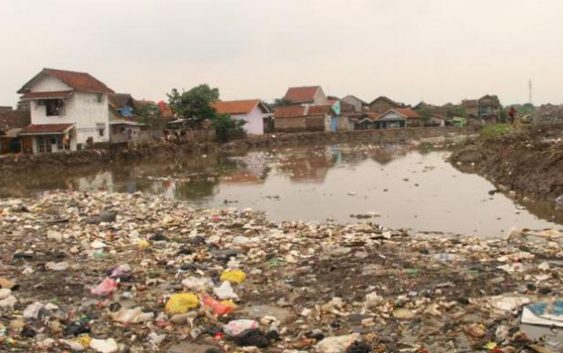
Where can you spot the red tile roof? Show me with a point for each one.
(14, 119)
(46, 129)
(301, 94)
(289, 111)
(45, 95)
(80, 81)
(407, 113)
(235, 107)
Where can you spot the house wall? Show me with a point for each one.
(320, 98)
(5, 144)
(27, 144)
(317, 123)
(129, 133)
(81, 109)
(381, 106)
(415, 122)
(254, 121)
(290, 124)
(344, 124)
(356, 103)
(48, 84)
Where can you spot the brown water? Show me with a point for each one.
(406, 189)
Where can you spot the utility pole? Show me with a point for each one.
(530, 91)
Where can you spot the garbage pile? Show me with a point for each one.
(102, 272)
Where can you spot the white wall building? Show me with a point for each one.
(253, 111)
(69, 111)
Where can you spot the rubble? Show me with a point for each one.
(162, 276)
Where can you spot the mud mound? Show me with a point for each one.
(528, 161)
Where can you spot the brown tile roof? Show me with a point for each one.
(289, 111)
(119, 100)
(14, 119)
(235, 107)
(407, 113)
(45, 129)
(388, 100)
(80, 81)
(301, 94)
(46, 95)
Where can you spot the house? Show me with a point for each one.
(321, 118)
(398, 118)
(366, 121)
(308, 95)
(69, 111)
(489, 108)
(290, 118)
(341, 115)
(256, 114)
(123, 104)
(383, 104)
(302, 118)
(11, 123)
(485, 108)
(471, 107)
(125, 126)
(358, 104)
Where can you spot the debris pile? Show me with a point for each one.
(106, 273)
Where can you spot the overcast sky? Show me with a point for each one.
(438, 50)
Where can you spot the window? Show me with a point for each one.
(54, 107)
(101, 129)
(99, 97)
(44, 144)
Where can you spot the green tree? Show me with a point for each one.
(227, 128)
(280, 102)
(194, 105)
(151, 115)
(426, 114)
(456, 110)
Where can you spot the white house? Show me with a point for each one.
(69, 110)
(253, 111)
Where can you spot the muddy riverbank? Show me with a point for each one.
(528, 161)
(111, 272)
(12, 163)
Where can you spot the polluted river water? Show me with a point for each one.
(390, 185)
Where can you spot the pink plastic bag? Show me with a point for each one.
(106, 287)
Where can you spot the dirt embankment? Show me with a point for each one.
(528, 161)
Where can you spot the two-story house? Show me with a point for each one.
(69, 111)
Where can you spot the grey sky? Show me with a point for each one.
(443, 50)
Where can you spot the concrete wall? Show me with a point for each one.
(49, 84)
(356, 103)
(317, 123)
(320, 98)
(290, 124)
(254, 121)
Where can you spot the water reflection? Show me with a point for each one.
(408, 189)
